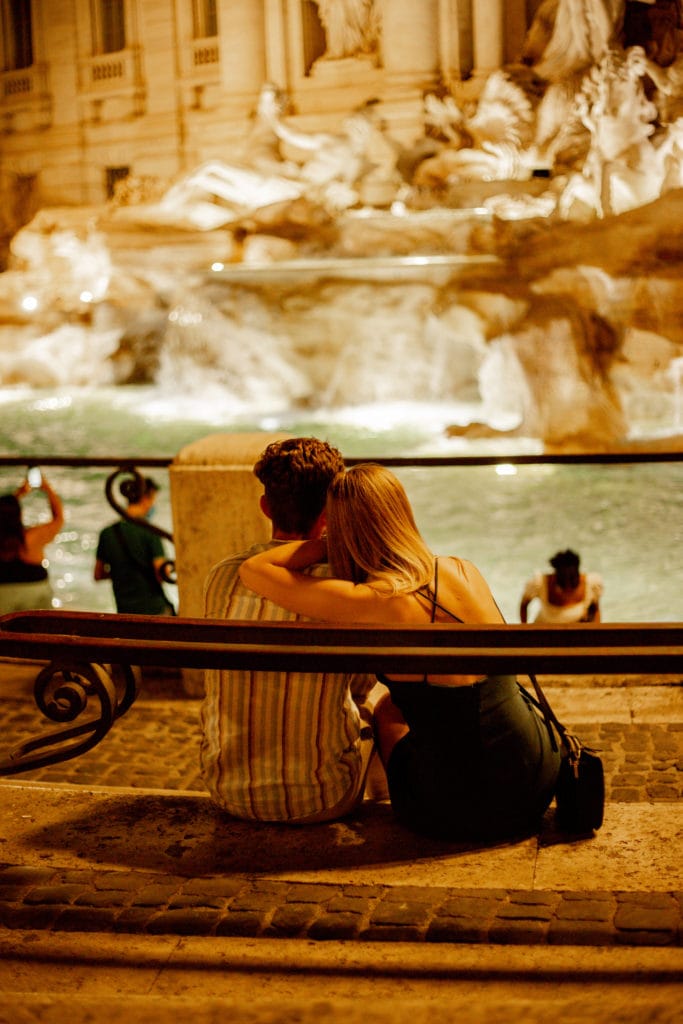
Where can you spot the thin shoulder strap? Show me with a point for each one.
(551, 719)
(541, 702)
(431, 596)
(436, 589)
(427, 594)
(435, 602)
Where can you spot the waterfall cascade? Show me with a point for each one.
(525, 264)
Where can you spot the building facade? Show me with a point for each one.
(94, 90)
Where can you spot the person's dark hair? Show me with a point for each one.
(566, 566)
(136, 489)
(295, 474)
(11, 528)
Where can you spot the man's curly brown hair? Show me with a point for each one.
(295, 474)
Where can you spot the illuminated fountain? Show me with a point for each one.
(520, 264)
(511, 281)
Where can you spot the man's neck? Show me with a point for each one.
(281, 535)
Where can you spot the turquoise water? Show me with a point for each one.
(625, 520)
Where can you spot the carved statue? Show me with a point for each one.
(609, 135)
(329, 159)
(351, 26)
(488, 143)
(654, 25)
(282, 165)
(243, 190)
(623, 169)
(569, 35)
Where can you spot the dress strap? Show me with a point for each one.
(431, 596)
(436, 588)
(435, 603)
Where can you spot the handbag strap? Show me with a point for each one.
(569, 741)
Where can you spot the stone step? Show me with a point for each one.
(79, 859)
(46, 979)
(123, 840)
(109, 902)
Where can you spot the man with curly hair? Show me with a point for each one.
(283, 746)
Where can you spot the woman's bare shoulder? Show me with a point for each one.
(468, 594)
(460, 568)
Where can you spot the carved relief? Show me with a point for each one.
(352, 27)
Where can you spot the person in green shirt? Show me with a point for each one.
(132, 556)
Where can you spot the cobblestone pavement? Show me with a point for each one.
(642, 761)
(125, 901)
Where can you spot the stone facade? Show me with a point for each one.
(100, 88)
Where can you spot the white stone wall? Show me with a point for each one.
(69, 117)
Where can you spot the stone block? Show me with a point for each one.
(335, 925)
(214, 500)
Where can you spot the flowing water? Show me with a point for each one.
(625, 521)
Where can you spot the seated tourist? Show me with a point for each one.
(466, 757)
(283, 746)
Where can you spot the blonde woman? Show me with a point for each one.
(466, 757)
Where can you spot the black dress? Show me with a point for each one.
(478, 761)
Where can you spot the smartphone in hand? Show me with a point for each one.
(35, 477)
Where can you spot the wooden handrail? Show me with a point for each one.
(81, 647)
(205, 643)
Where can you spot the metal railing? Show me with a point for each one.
(126, 466)
(564, 458)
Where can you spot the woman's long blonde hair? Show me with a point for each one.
(371, 532)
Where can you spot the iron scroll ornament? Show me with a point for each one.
(62, 692)
(167, 568)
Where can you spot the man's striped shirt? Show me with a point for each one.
(276, 746)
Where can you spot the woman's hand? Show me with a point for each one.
(301, 554)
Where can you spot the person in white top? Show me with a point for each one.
(565, 595)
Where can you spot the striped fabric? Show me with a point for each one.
(275, 746)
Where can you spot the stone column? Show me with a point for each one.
(276, 44)
(516, 25)
(410, 40)
(410, 58)
(455, 39)
(214, 501)
(241, 27)
(489, 40)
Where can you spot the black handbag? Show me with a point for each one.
(580, 790)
